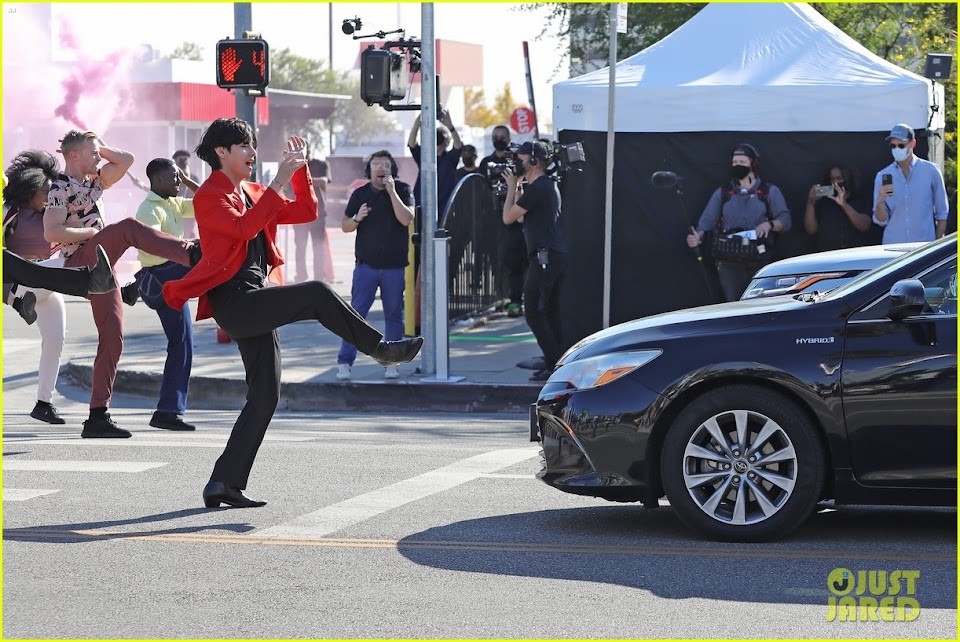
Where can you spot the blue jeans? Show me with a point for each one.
(366, 280)
(179, 330)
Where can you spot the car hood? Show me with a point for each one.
(855, 258)
(724, 317)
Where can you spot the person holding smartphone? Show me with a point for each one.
(834, 215)
(909, 197)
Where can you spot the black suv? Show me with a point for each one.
(746, 414)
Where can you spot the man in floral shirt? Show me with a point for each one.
(74, 218)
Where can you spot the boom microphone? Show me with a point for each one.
(665, 180)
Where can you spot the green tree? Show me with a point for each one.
(904, 34)
(477, 112)
(186, 51)
(586, 25)
(503, 105)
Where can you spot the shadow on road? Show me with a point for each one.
(653, 551)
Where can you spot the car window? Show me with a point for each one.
(882, 271)
(939, 288)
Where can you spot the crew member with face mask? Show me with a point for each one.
(911, 205)
(745, 203)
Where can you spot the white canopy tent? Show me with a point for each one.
(752, 67)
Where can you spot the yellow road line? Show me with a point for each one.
(747, 551)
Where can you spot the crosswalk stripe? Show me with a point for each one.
(23, 494)
(361, 508)
(64, 466)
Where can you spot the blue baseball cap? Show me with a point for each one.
(901, 131)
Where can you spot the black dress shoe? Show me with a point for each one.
(169, 421)
(130, 293)
(26, 305)
(103, 428)
(216, 493)
(392, 353)
(101, 278)
(193, 249)
(46, 412)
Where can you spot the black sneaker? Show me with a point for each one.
(541, 375)
(392, 353)
(130, 293)
(26, 305)
(169, 421)
(46, 412)
(101, 278)
(103, 429)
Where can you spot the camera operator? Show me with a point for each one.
(513, 254)
(539, 207)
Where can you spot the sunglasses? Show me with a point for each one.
(900, 145)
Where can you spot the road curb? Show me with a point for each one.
(216, 393)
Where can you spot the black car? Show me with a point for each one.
(746, 414)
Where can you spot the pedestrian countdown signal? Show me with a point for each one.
(243, 64)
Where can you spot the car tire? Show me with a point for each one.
(717, 490)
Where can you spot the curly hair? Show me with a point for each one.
(224, 132)
(27, 174)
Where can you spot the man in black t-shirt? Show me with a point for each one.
(836, 220)
(539, 207)
(513, 254)
(380, 213)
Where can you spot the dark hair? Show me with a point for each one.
(224, 132)
(394, 170)
(468, 148)
(748, 150)
(157, 165)
(26, 174)
(851, 178)
(504, 127)
(317, 167)
(180, 152)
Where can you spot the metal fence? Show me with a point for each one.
(473, 221)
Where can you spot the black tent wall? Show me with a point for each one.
(653, 270)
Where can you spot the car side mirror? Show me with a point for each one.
(907, 299)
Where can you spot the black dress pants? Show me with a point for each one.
(251, 318)
(541, 305)
(73, 281)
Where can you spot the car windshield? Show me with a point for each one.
(881, 271)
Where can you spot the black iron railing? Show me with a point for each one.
(473, 221)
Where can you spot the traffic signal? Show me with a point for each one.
(383, 76)
(243, 64)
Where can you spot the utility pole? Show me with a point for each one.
(428, 187)
(246, 104)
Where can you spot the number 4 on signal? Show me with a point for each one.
(243, 64)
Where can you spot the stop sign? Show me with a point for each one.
(522, 120)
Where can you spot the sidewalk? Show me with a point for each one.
(485, 354)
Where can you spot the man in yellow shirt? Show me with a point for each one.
(163, 210)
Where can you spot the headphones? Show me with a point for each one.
(394, 170)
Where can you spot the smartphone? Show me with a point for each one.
(886, 179)
(826, 190)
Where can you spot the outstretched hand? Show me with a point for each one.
(293, 159)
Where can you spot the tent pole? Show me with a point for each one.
(608, 200)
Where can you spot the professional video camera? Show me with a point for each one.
(386, 70)
(565, 157)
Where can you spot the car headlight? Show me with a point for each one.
(598, 371)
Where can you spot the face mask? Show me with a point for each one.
(469, 160)
(500, 145)
(740, 172)
(900, 154)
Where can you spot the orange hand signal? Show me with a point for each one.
(229, 64)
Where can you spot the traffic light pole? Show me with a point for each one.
(428, 188)
(246, 105)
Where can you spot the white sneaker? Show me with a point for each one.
(391, 372)
(343, 371)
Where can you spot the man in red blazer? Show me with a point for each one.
(238, 227)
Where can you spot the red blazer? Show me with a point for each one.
(226, 227)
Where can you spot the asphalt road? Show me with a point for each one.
(399, 526)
